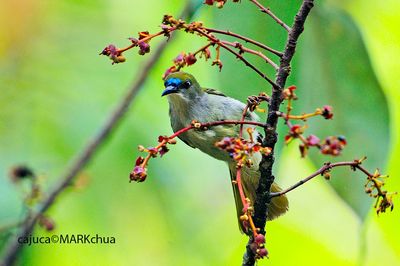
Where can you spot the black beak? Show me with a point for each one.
(169, 90)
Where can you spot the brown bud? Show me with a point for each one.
(120, 59)
(244, 217)
(327, 175)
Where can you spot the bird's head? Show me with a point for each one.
(182, 85)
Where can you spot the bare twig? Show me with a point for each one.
(272, 15)
(86, 154)
(270, 139)
(261, 45)
(373, 186)
(327, 166)
(243, 49)
(247, 63)
(239, 56)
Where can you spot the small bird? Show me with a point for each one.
(188, 102)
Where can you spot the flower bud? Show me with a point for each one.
(327, 112)
(262, 252)
(259, 239)
(190, 59)
(144, 48)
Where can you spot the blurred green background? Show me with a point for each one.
(56, 92)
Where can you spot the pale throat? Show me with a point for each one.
(179, 105)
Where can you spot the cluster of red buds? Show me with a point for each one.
(171, 24)
(219, 3)
(139, 172)
(144, 46)
(189, 59)
(240, 149)
(183, 60)
(374, 188)
(114, 54)
(142, 42)
(326, 112)
(310, 141)
(333, 145)
(295, 131)
(258, 246)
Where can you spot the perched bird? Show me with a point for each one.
(188, 102)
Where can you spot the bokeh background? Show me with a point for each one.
(56, 92)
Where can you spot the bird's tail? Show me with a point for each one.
(250, 176)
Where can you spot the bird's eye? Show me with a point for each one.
(186, 84)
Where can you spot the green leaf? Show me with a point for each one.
(334, 69)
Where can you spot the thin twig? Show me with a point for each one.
(202, 49)
(320, 171)
(86, 154)
(272, 15)
(247, 63)
(270, 139)
(261, 45)
(243, 49)
(239, 56)
(373, 187)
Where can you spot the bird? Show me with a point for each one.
(188, 102)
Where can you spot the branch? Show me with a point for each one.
(247, 63)
(261, 45)
(356, 164)
(267, 177)
(373, 186)
(139, 172)
(86, 154)
(243, 49)
(239, 56)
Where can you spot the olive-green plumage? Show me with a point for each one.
(188, 102)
